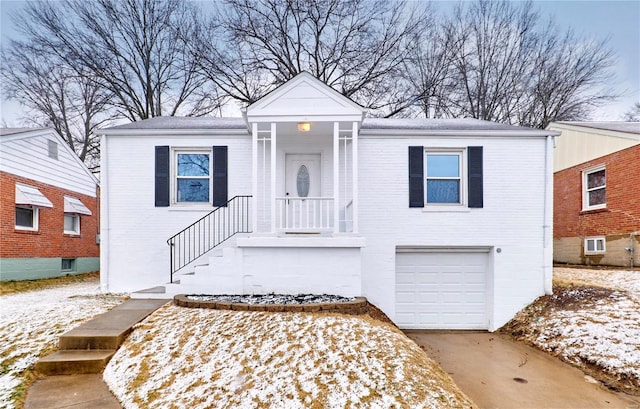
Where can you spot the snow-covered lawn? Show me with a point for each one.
(200, 358)
(592, 321)
(31, 322)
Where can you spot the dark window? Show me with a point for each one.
(25, 217)
(68, 264)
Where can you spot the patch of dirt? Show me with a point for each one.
(11, 287)
(377, 314)
(529, 326)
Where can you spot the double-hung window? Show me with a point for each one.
(444, 181)
(594, 188)
(445, 178)
(192, 176)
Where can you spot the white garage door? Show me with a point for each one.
(442, 290)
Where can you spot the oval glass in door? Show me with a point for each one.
(303, 181)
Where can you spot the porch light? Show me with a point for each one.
(304, 126)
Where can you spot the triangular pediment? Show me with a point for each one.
(304, 97)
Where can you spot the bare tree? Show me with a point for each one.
(495, 60)
(74, 105)
(134, 49)
(633, 114)
(355, 46)
(568, 79)
(428, 75)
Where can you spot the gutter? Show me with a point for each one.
(104, 216)
(409, 133)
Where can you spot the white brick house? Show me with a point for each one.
(440, 223)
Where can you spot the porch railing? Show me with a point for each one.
(304, 213)
(209, 231)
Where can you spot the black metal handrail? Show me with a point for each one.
(209, 231)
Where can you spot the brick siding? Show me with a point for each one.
(49, 240)
(622, 214)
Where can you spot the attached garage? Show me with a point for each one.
(442, 288)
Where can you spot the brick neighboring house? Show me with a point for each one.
(597, 193)
(49, 207)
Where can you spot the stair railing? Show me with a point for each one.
(209, 231)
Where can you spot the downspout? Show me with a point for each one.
(547, 225)
(104, 216)
(630, 248)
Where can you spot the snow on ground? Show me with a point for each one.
(31, 323)
(595, 326)
(200, 358)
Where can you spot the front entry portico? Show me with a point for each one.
(304, 157)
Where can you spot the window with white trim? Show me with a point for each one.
(594, 188)
(444, 177)
(594, 245)
(192, 176)
(26, 218)
(71, 223)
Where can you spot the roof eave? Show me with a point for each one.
(379, 132)
(175, 132)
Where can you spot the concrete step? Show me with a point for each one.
(70, 362)
(154, 293)
(88, 348)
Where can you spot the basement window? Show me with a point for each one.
(594, 245)
(68, 264)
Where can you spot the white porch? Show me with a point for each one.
(305, 182)
(304, 160)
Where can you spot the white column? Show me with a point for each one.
(354, 175)
(254, 176)
(273, 177)
(336, 177)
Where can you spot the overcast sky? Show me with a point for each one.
(617, 20)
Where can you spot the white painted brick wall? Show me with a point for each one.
(302, 270)
(138, 231)
(511, 219)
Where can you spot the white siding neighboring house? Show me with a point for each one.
(49, 207)
(440, 223)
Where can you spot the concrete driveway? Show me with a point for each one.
(496, 372)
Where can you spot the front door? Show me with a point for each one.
(303, 175)
(305, 207)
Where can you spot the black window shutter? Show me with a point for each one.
(416, 176)
(474, 167)
(219, 176)
(162, 176)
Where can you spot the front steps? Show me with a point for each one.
(70, 362)
(89, 347)
(219, 276)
